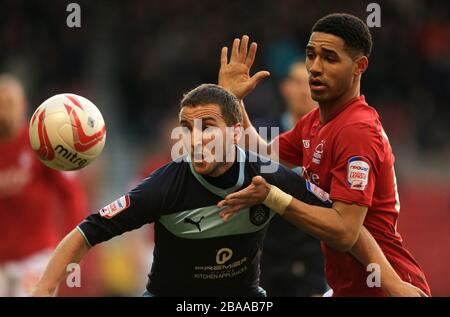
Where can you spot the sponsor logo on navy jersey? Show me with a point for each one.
(259, 214)
(223, 255)
(115, 207)
(195, 223)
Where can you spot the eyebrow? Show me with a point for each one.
(329, 51)
(309, 47)
(209, 118)
(203, 119)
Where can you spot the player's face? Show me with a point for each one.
(12, 107)
(207, 141)
(330, 67)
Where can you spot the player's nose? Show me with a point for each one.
(316, 67)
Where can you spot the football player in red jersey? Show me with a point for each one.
(29, 194)
(342, 148)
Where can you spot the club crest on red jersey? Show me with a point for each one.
(115, 207)
(317, 155)
(358, 172)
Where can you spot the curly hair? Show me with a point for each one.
(351, 29)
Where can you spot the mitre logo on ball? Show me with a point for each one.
(67, 132)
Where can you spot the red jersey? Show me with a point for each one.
(29, 194)
(350, 157)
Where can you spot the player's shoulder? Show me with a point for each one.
(269, 169)
(168, 173)
(162, 187)
(257, 162)
(359, 119)
(359, 111)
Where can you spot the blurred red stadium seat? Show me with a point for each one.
(424, 224)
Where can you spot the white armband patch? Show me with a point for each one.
(115, 207)
(358, 172)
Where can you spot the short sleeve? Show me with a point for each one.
(358, 153)
(290, 146)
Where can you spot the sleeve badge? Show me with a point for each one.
(358, 169)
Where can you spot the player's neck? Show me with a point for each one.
(221, 169)
(329, 109)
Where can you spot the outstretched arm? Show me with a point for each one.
(340, 227)
(367, 251)
(71, 249)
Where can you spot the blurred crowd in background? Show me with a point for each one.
(135, 59)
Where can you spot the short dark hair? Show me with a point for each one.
(351, 29)
(214, 94)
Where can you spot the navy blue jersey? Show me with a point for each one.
(197, 253)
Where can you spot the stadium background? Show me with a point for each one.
(134, 59)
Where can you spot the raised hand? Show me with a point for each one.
(234, 76)
(253, 194)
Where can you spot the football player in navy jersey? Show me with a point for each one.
(196, 253)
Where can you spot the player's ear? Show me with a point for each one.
(362, 63)
(237, 132)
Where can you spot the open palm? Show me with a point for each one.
(235, 75)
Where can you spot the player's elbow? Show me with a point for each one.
(344, 242)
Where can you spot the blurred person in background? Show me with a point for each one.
(296, 94)
(30, 195)
(292, 262)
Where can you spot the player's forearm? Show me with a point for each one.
(251, 140)
(70, 250)
(367, 251)
(325, 224)
(245, 118)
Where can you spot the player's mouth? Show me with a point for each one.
(316, 84)
(200, 156)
